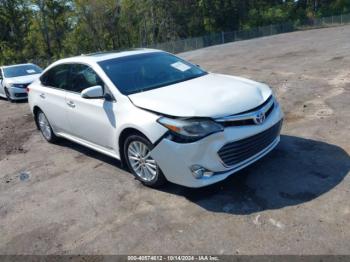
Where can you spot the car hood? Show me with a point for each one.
(22, 79)
(212, 95)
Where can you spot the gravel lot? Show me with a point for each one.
(71, 200)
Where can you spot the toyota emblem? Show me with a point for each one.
(259, 118)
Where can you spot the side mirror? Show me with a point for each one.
(109, 98)
(92, 92)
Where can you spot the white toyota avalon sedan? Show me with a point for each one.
(14, 80)
(165, 118)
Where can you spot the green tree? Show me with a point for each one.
(45, 30)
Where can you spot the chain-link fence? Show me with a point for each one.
(188, 44)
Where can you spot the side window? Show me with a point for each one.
(56, 77)
(1, 77)
(82, 77)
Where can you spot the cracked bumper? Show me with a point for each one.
(175, 159)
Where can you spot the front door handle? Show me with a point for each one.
(71, 104)
(42, 96)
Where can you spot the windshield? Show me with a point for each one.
(21, 70)
(138, 73)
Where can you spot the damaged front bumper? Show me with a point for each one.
(177, 160)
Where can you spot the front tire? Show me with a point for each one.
(45, 127)
(137, 155)
(8, 96)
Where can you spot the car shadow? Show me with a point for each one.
(22, 101)
(90, 153)
(297, 171)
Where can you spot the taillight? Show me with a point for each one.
(27, 89)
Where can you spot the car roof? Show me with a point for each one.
(102, 56)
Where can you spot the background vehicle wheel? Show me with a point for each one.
(137, 155)
(8, 95)
(45, 127)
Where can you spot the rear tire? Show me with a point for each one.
(45, 127)
(137, 156)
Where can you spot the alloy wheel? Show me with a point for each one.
(44, 126)
(144, 166)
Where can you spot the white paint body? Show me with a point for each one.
(14, 91)
(97, 123)
(211, 95)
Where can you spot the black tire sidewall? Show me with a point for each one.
(159, 179)
(8, 95)
(53, 136)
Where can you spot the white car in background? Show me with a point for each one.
(14, 80)
(165, 118)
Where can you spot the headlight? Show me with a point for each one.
(18, 85)
(191, 129)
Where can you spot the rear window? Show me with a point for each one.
(21, 70)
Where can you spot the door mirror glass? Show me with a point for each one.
(92, 92)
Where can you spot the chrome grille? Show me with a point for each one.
(235, 152)
(21, 94)
(246, 118)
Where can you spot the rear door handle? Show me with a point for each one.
(42, 96)
(71, 104)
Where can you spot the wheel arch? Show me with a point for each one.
(7, 93)
(123, 136)
(36, 109)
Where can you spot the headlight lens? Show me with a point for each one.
(18, 85)
(191, 128)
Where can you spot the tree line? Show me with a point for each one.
(45, 30)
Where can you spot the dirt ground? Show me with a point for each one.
(65, 199)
